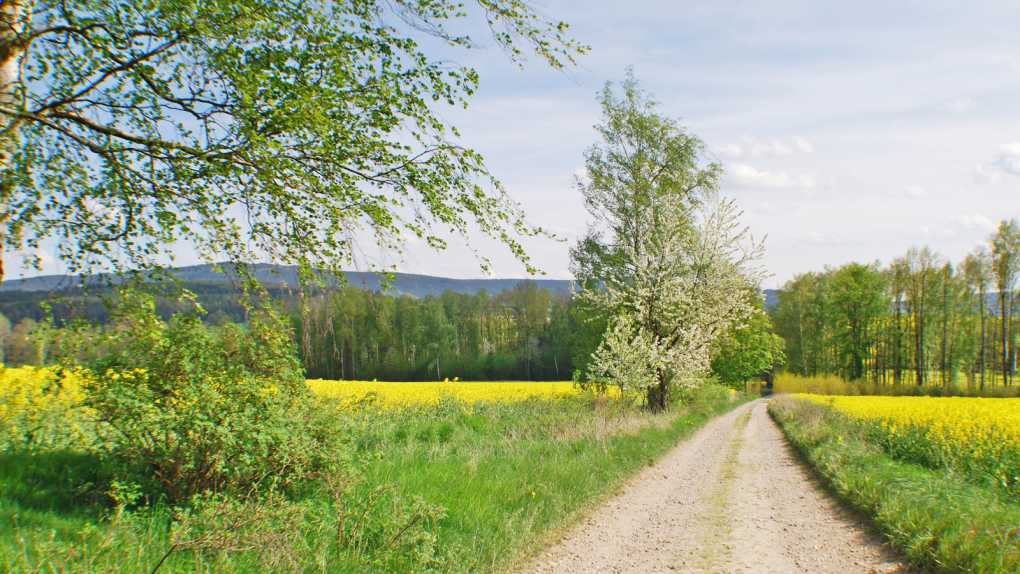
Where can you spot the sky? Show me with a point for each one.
(848, 131)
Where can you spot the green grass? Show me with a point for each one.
(940, 521)
(507, 477)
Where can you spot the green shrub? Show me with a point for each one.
(195, 409)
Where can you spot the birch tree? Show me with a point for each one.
(275, 129)
(978, 273)
(1006, 266)
(665, 260)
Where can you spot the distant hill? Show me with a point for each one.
(281, 276)
(22, 298)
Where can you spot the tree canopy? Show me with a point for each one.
(249, 128)
(665, 262)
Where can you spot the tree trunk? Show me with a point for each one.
(658, 394)
(981, 359)
(943, 359)
(898, 342)
(1004, 328)
(14, 21)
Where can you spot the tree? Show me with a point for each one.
(922, 264)
(859, 298)
(977, 270)
(665, 260)
(791, 318)
(749, 350)
(1006, 266)
(23, 346)
(247, 127)
(899, 280)
(5, 335)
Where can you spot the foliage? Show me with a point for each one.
(199, 410)
(448, 487)
(524, 333)
(918, 320)
(1005, 263)
(249, 126)
(747, 351)
(938, 521)
(665, 262)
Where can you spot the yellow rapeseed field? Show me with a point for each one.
(412, 394)
(41, 407)
(978, 435)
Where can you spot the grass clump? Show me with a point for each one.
(938, 519)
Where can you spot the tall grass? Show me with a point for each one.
(938, 520)
(477, 486)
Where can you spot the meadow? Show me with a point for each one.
(440, 477)
(940, 476)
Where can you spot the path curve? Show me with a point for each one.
(730, 499)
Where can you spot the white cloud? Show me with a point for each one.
(749, 176)
(1008, 163)
(914, 191)
(764, 148)
(733, 151)
(976, 221)
(960, 105)
(986, 174)
(1009, 158)
(803, 145)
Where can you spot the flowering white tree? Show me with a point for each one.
(666, 259)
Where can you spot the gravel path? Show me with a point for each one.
(730, 499)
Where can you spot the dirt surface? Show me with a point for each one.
(732, 498)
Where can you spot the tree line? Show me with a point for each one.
(921, 319)
(525, 333)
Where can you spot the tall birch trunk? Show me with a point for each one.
(14, 21)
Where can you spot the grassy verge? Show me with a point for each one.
(506, 476)
(940, 521)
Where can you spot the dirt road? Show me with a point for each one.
(730, 499)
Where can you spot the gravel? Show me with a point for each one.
(731, 499)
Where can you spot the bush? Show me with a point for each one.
(195, 409)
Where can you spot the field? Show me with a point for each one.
(833, 385)
(452, 477)
(939, 475)
(404, 394)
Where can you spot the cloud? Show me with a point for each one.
(960, 105)
(733, 151)
(914, 191)
(1008, 163)
(976, 221)
(749, 176)
(803, 145)
(749, 147)
(1009, 158)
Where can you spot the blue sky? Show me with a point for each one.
(849, 131)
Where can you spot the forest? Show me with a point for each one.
(920, 319)
(525, 333)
